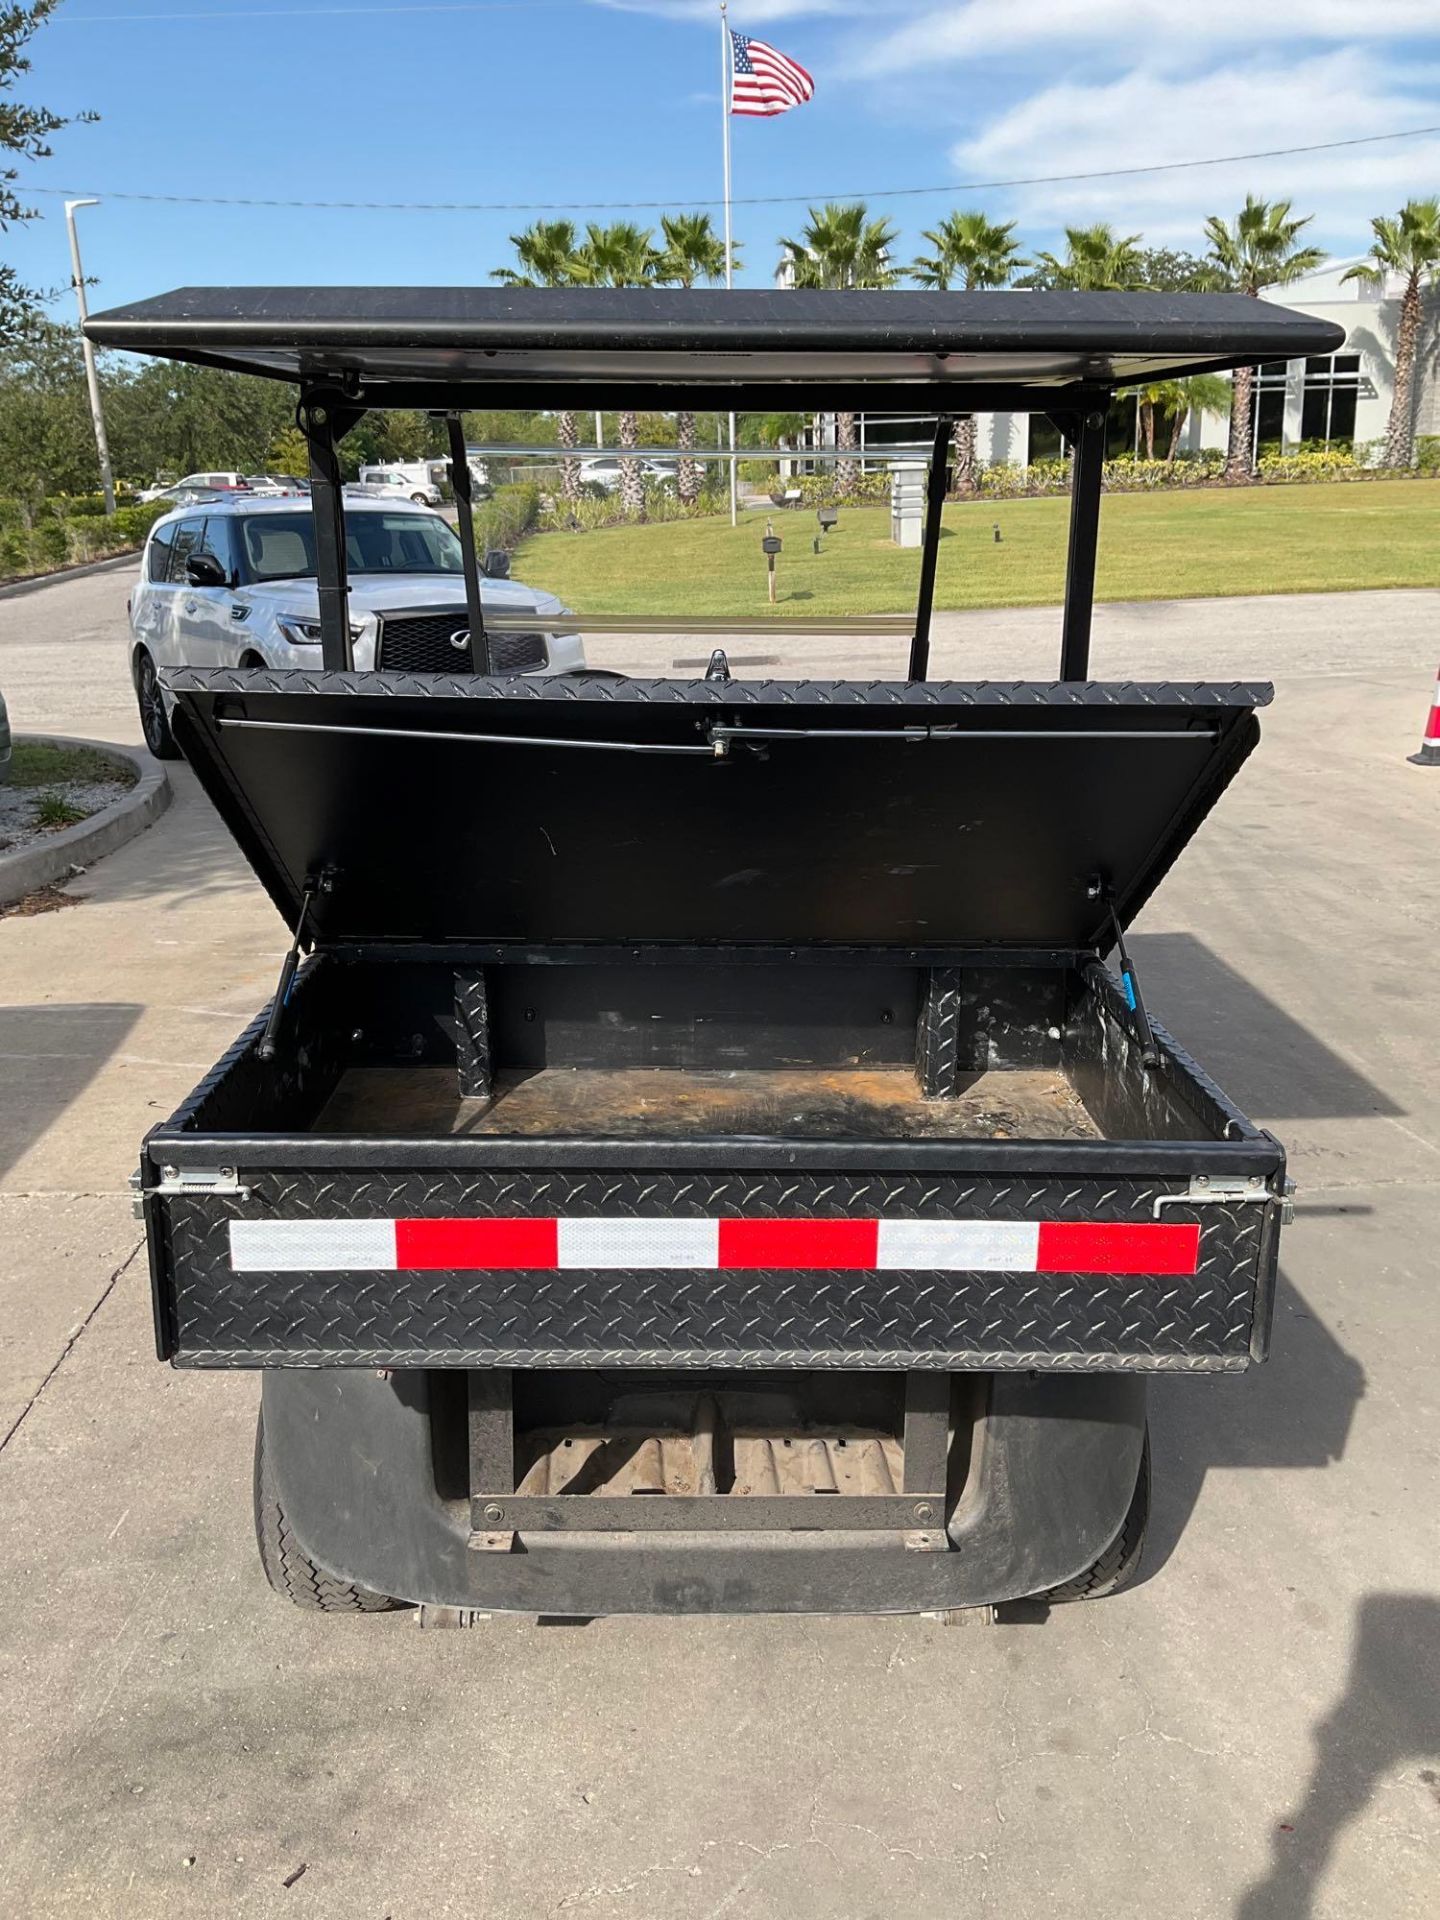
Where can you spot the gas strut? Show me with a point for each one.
(1149, 1052)
(266, 1049)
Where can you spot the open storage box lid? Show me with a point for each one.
(801, 813)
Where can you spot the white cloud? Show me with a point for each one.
(1131, 29)
(1151, 114)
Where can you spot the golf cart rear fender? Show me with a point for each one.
(1051, 1478)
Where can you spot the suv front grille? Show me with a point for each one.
(420, 643)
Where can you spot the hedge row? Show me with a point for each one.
(68, 533)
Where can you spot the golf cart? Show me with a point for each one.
(705, 1162)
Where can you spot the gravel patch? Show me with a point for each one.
(23, 820)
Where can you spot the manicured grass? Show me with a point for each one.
(33, 764)
(1292, 539)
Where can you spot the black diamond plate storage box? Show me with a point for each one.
(847, 882)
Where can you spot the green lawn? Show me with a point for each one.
(1293, 539)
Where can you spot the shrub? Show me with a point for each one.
(1309, 464)
(821, 490)
(507, 516)
(51, 542)
(131, 524)
(1427, 453)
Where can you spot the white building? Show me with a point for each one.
(1339, 399)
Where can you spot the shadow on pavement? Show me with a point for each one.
(1260, 1054)
(1388, 1716)
(48, 1057)
(1296, 1411)
(186, 855)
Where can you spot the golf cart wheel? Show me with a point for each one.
(154, 721)
(1118, 1565)
(288, 1568)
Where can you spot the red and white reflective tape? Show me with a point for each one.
(530, 1245)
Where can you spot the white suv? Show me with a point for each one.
(232, 584)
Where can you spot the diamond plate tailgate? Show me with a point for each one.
(220, 1308)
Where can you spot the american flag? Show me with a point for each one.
(765, 82)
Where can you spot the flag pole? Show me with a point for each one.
(726, 83)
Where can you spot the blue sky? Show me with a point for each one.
(613, 100)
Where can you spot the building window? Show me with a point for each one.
(1332, 387)
(1268, 418)
(1045, 442)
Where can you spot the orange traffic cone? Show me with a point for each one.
(1429, 754)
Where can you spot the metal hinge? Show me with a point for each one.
(177, 1180)
(1229, 1190)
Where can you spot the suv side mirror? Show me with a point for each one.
(204, 570)
(497, 564)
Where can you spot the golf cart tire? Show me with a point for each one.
(1120, 1562)
(288, 1568)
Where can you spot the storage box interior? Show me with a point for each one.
(793, 1047)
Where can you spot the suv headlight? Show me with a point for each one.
(306, 633)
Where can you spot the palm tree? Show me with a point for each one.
(1198, 393)
(1259, 248)
(973, 252)
(841, 246)
(546, 255)
(620, 255)
(1408, 244)
(1096, 261)
(692, 251)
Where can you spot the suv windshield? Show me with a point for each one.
(281, 546)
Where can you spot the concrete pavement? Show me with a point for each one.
(1253, 1731)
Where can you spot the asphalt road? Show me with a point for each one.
(1252, 1731)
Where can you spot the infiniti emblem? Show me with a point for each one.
(460, 639)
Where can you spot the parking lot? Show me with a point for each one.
(1253, 1730)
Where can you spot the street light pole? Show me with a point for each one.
(97, 417)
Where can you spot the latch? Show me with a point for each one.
(181, 1180)
(1230, 1190)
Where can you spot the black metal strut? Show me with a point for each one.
(1088, 441)
(325, 418)
(460, 481)
(937, 485)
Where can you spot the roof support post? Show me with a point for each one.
(460, 482)
(324, 421)
(1088, 442)
(936, 487)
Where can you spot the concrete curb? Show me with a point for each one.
(78, 847)
(13, 589)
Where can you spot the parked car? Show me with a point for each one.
(267, 486)
(233, 585)
(205, 482)
(604, 471)
(411, 480)
(181, 495)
